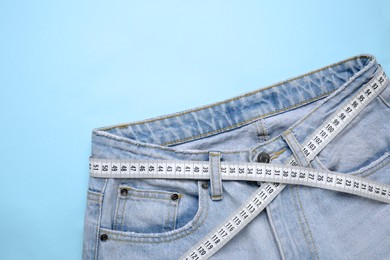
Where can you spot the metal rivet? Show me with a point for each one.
(174, 196)
(124, 192)
(263, 157)
(205, 185)
(103, 237)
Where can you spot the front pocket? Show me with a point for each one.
(192, 211)
(361, 145)
(145, 210)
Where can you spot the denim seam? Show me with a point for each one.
(265, 129)
(175, 215)
(362, 173)
(277, 237)
(212, 176)
(299, 218)
(261, 132)
(306, 222)
(133, 190)
(221, 130)
(276, 154)
(161, 148)
(384, 100)
(94, 200)
(383, 165)
(99, 218)
(257, 130)
(195, 227)
(298, 198)
(220, 177)
(203, 213)
(116, 213)
(123, 216)
(288, 141)
(323, 68)
(166, 217)
(337, 91)
(298, 145)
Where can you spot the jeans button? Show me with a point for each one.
(263, 157)
(104, 237)
(205, 185)
(124, 192)
(174, 196)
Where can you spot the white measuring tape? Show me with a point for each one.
(275, 176)
(242, 171)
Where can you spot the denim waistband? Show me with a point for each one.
(153, 137)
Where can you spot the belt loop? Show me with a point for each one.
(215, 175)
(296, 149)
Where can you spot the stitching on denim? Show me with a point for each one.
(99, 218)
(116, 212)
(362, 173)
(219, 175)
(93, 193)
(299, 218)
(278, 241)
(175, 214)
(384, 100)
(298, 146)
(146, 145)
(265, 129)
(276, 154)
(258, 130)
(280, 83)
(194, 227)
(342, 88)
(167, 240)
(212, 175)
(146, 197)
(167, 216)
(133, 190)
(287, 139)
(383, 165)
(94, 200)
(160, 148)
(112, 137)
(203, 209)
(251, 119)
(306, 222)
(123, 215)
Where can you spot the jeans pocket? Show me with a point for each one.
(145, 210)
(362, 145)
(154, 210)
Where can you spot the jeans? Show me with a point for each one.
(163, 218)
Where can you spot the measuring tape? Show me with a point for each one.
(275, 176)
(242, 171)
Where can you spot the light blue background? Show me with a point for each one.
(67, 67)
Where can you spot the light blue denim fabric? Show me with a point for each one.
(301, 223)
